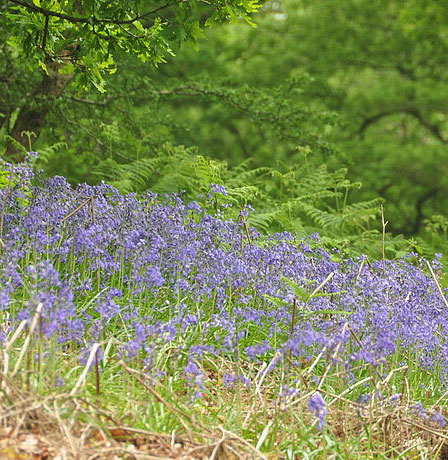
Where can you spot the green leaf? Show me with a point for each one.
(276, 301)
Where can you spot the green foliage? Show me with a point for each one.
(9, 182)
(299, 198)
(135, 123)
(292, 116)
(436, 232)
(4, 181)
(87, 36)
(387, 83)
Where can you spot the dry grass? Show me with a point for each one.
(68, 426)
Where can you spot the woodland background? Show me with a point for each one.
(315, 113)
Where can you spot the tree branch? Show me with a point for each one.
(45, 33)
(419, 209)
(431, 127)
(373, 119)
(92, 19)
(413, 226)
(232, 100)
(105, 102)
(31, 117)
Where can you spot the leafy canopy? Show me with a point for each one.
(86, 36)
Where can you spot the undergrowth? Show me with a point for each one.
(154, 327)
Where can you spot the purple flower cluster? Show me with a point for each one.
(316, 405)
(159, 271)
(434, 416)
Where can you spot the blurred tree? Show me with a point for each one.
(386, 60)
(270, 94)
(379, 64)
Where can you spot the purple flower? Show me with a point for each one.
(192, 368)
(257, 350)
(154, 276)
(4, 299)
(316, 405)
(287, 391)
(438, 418)
(215, 188)
(420, 411)
(157, 272)
(229, 380)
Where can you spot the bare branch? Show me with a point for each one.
(416, 113)
(431, 127)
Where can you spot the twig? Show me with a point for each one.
(244, 442)
(293, 316)
(8, 386)
(440, 399)
(383, 242)
(386, 380)
(27, 405)
(260, 375)
(334, 355)
(10, 343)
(348, 390)
(437, 284)
(131, 429)
(84, 203)
(316, 360)
(265, 372)
(353, 333)
(361, 265)
(63, 426)
(28, 338)
(83, 375)
(91, 19)
(425, 428)
(217, 448)
(97, 375)
(321, 285)
(159, 398)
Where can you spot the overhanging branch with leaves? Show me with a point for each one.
(91, 19)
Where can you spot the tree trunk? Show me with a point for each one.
(31, 117)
